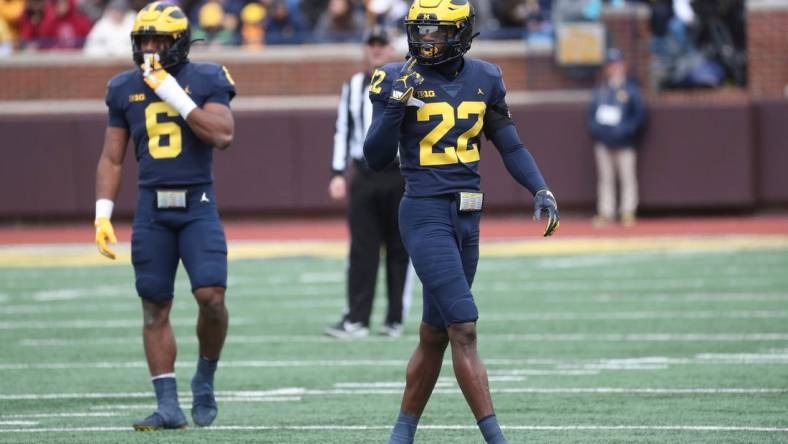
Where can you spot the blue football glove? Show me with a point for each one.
(544, 202)
(408, 80)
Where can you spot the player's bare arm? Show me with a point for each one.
(110, 164)
(214, 124)
(108, 173)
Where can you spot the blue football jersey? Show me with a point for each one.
(440, 141)
(168, 152)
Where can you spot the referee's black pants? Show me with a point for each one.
(373, 216)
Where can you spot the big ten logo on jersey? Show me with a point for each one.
(425, 94)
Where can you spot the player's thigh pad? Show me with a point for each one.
(203, 250)
(154, 254)
(428, 232)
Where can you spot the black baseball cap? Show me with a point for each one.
(376, 33)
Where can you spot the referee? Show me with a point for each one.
(374, 206)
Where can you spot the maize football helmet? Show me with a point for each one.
(162, 19)
(439, 30)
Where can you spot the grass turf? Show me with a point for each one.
(629, 347)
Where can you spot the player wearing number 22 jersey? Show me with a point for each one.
(434, 108)
(176, 112)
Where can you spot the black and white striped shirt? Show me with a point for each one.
(354, 115)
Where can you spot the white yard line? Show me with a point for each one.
(62, 415)
(97, 324)
(186, 402)
(290, 394)
(636, 315)
(39, 324)
(617, 363)
(592, 427)
(493, 337)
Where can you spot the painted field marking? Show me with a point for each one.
(641, 285)
(492, 337)
(36, 324)
(19, 423)
(636, 315)
(62, 415)
(289, 394)
(286, 301)
(40, 324)
(684, 428)
(607, 363)
(81, 255)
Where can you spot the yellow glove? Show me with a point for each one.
(165, 86)
(104, 232)
(152, 71)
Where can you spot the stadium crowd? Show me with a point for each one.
(695, 43)
(104, 25)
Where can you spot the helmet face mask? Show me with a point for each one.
(162, 20)
(439, 30)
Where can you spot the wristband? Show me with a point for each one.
(104, 208)
(172, 93)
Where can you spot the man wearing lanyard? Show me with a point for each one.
(615, 118)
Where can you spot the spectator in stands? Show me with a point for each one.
(311, 11)
(252, 29)
(6, 39)
(11, 12)
(341, 22)
(64, 26)
(615, 119)
(30, 24)
(216, 26)
(137, 5)
(93, 9)
(518, 18)
(110, 34)
(282, 26)
(391, 15)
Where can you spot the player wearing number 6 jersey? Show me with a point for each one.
(436, 106)
(176, 112)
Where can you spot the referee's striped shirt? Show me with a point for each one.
(354, 115)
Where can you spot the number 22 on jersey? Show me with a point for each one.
(164, 138)
(450, 155)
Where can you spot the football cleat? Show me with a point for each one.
(347, 329)
(157, 421)
(204, 409)
(628, 219)
(601, 221)
(393, 329)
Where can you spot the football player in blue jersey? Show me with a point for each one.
(434, 107)
(176, 112)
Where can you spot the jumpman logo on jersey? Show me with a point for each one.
(204, 198)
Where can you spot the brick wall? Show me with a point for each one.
(318, 70)
(767, 45)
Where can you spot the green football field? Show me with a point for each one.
(650, 346)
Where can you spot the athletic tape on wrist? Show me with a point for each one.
(172, 93)
(104, 208)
